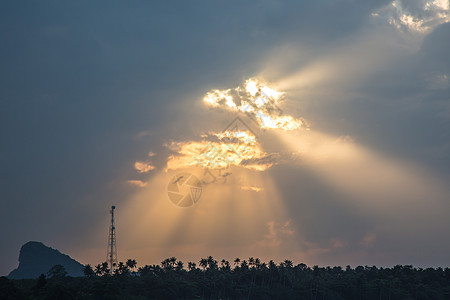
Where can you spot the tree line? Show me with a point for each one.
(238, 279)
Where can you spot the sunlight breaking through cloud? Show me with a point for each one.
(415, 16)
(257, 100)
(220, 151)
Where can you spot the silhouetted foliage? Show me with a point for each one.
(41, 282)
(246, 279)
(88, 271)
(8, 290)
(57, 271)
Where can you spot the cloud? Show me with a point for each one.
(143, 167)
(416, 16)
(257, 100)
(277, 234)
(222, 150)
(233, 146)
(251, 188)
(369, 239)
(261, 163)
(138, 183)
(347, 72)
(338, 243)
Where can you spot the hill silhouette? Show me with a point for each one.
(35, 258)
(249, 279)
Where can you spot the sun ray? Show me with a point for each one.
(225, 216)
(378, 184)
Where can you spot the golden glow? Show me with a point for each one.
(233, 148)
(217, 97)
(242, 136)
(412, 22)
(283, 122)
(377, 184)
(251, 87)
(227, 222)
(256, 99)
(271, 93)
(442, 4)
(143, 167)
(251, 188)
(138, 183)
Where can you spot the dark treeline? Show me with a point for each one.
(239, 279)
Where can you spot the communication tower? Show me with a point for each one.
(111, 256)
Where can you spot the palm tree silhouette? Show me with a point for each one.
(191, 266)
(237, 261)
(203, 263)
(212, 263)
(131, 263)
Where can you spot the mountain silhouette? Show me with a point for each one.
(35, 258)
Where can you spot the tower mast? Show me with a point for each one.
(111, 256)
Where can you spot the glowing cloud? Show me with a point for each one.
(229, 148)
(257, 100)
(143, 167)
(438, 4)
(138, 183)
(416, 16)
(251, 188)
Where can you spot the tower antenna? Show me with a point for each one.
(111, 256)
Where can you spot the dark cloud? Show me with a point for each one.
(80, 82)
(409, 104)
(268, 160)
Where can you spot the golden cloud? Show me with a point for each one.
(138, 183)
(256, 99)
(222, 150)
(143, 167)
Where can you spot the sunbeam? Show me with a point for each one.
(372, 182)
(233, 213)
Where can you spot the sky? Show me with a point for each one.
(346, 161)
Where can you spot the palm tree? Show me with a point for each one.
(88, 271)
(98, 270)
(121, 269)
(237, 261)
(273, 271)
(168, 264)
(288, 263)
(131, 263)
(251, 261)
(225, 264)
(212, 263)
(257, 263)
(104, 269)
(191, 266)
(244, 265)
(173, 261)
(203, 263)
(179, 265)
